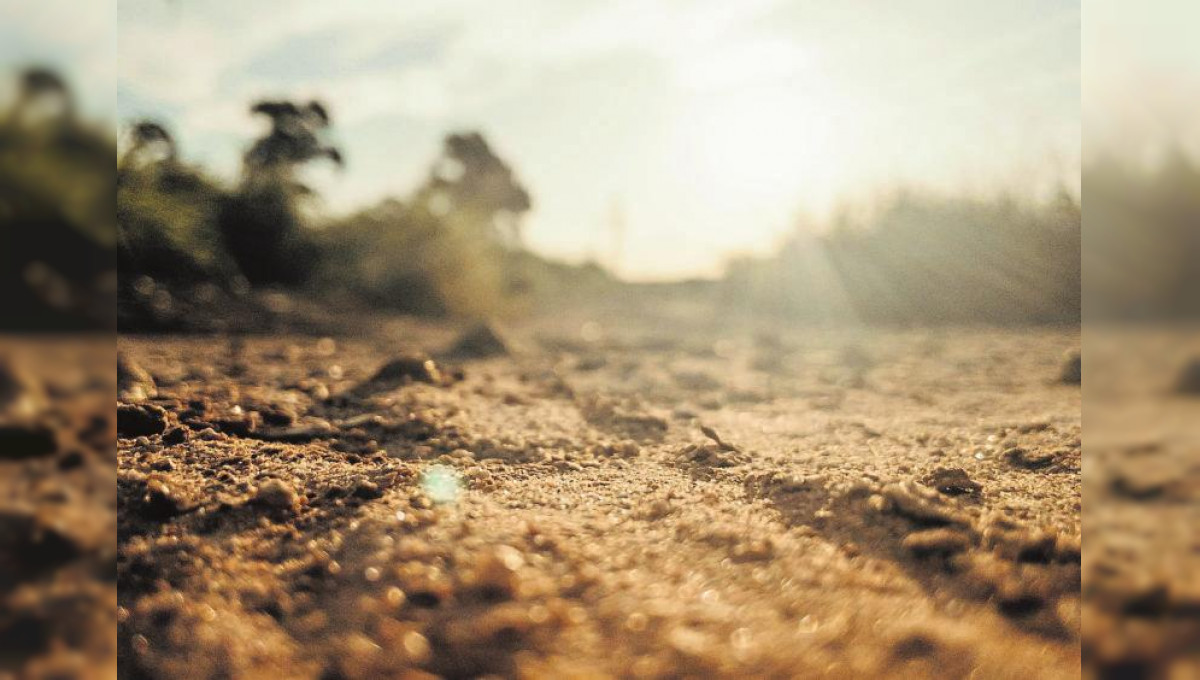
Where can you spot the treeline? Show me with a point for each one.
(453, 247)
(195, 251)
(1142, 241)
(57, 213)
(919, 257)
(922, 258)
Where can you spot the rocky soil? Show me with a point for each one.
(58, 512)
(1141, 576)
(578, 500)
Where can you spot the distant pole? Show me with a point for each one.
(616, 233)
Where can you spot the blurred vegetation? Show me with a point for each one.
(452, 249)
(917, 257)
(57, 225)
(190, 246)
(1142, 240)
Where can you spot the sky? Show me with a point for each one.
(1142, 87)
(79, 39)
(704, 127)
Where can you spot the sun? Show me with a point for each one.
(763, 144)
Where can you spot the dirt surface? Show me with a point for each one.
(1142, 567)
(58, 519)
(625, 500)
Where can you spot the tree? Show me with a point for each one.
(57, 232)
(167, 213)
(261, 223)
(470, 185)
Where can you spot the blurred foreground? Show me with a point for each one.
(58, 512)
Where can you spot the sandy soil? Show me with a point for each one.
(619, 500)
(1141, 581)
(58, 511)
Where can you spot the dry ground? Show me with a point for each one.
(58, 508)
(603, 500)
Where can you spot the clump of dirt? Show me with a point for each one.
(1188, 381)
(141, 420)
(134, 383)
(414, 367)
(952, 481)
(21, 397)
(481, 341)
(1029, 460)
(1072, 369)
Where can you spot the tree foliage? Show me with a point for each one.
(475, 189)
(57, 231)
(262, 223)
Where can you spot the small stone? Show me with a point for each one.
(1189, 379)
(414, 367)
(952, 482)
(481, 341)
(21, 442)
(278, 417)
(21, 397)
(366, 489)
(275, 493)
(1030, 460)
(163, 500)
(176, 435)
(134, 383)
(494, 575)
(140, 420)
(936, 542)
(656, 510)
(1072, 369)
(395, 597)
(238, 423)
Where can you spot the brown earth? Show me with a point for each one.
(623, 500)
(1141, 582)
(58, 510)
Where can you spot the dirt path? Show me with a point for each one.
(900, 504)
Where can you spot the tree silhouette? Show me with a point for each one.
(57, 231)
(41, 94)
(294, 138)
(166, 213)
(261, 223)
(470, 184)
(150, 144)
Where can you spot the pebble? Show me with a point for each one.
(1072, 369)
(1030, 460)
(25, 441)
(481, 341)
(1188, 382)
(134, 383)
(275, 493)
(21, 397)
(414, 367)
(952, 481)
(140, 420)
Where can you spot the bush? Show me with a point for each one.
(57, 231)
(403, 257)
(921, 258)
